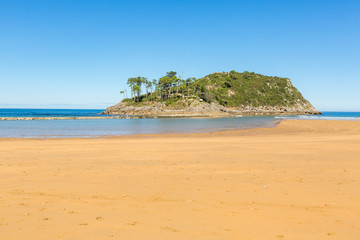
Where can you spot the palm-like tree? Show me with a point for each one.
(154, 85)
(132, 82)
(136, 89)
(148, 85)
(122, 92)
(165, 86)
(188, 82)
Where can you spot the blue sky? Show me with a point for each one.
(79, 54)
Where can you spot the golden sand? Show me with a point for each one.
(297, 181)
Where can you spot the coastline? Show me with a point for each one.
(163, 115)
(298, 180)
(200, 133)
(223, 112)
(208, 133)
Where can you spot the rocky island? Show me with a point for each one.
(220, 94)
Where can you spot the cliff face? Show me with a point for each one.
(224, 94)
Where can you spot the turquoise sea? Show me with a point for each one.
(116, 127)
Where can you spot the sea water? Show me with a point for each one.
(117, 127)
(25, 112)
(340, 116)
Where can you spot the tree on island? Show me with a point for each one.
(154, 87)
(170, 86)
(136, 89)
(188, 83)
(122, 92)
(131, 83)
(148, 86)
(135, 86)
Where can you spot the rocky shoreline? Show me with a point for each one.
(202, 109)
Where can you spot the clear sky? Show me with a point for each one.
(79, 54)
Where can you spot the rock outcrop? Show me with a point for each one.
(189, 108)
(195, 108)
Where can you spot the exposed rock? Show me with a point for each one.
(195, 108)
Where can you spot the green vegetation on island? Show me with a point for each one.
(229, 89)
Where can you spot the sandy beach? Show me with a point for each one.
(299, 180)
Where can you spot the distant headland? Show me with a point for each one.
(219, 94)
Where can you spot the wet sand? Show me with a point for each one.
(299, 180)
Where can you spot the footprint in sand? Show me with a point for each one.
(132, 223)
(170, 229)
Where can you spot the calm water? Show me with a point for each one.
(102, 127)
(12, 112)
(344, 116)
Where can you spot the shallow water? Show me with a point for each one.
(115, 127)
(342, 116)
